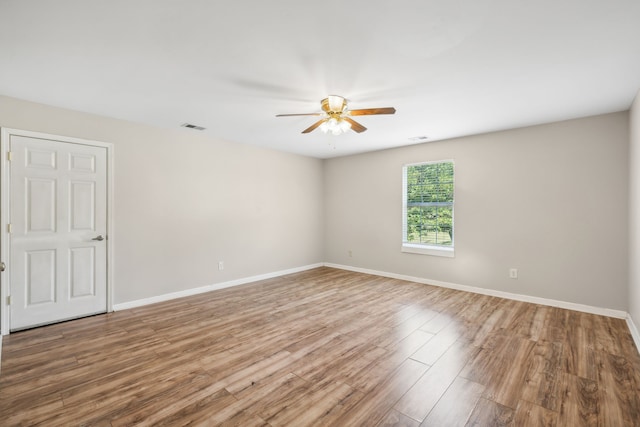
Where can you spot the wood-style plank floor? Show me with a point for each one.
(325, 347)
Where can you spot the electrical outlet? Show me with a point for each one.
(350, 253)
(220, 265)
(513, 273)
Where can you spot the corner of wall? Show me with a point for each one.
(634, 332)
(634, 219)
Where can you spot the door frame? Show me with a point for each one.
(5, 285)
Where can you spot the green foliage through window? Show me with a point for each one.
(429, 204)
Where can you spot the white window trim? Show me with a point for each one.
(414, 248)
(417, 248)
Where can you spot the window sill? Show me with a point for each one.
(428, 250)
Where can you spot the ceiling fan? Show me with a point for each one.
(336, 117)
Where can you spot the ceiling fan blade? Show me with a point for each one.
(301, 114)
(372, 111)
(354, 125)
(314, 126)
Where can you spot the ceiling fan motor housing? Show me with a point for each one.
(333, 104)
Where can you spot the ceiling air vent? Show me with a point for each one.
(418, 138)
(190, 126)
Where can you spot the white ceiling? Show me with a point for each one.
(449, 67)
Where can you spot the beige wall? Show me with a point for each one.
(550, 200)
(184, 201)
(634, 212)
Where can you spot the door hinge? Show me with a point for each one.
(9, 155)
(9, 228)
(9, 300)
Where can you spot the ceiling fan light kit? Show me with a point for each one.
(336, 116)
(335, 126)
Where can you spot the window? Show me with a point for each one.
(427, 214)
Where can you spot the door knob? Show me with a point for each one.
(3, 266)
(99, 238)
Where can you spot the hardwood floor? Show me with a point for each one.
(325, 347)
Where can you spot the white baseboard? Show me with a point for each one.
(634, 332)
(209, 288)
(507, 295)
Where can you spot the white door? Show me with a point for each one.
(57, 240)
